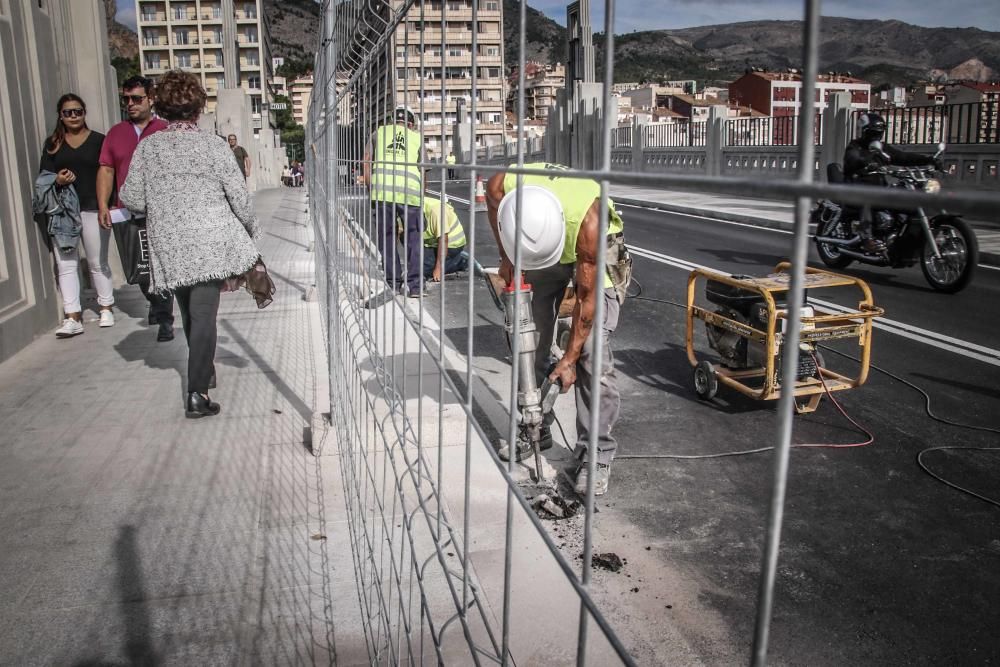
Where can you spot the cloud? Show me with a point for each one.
(640, 14)
(126, 13)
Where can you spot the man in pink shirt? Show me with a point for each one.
(116, 155)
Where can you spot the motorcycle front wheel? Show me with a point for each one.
(830, 254)
(956, 242)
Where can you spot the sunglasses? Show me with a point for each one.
(72, 113)
(133, 99)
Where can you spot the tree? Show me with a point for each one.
(125, 67)
(294, 67)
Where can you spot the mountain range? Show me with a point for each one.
(883, 52)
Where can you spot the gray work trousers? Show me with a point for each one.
(548, 286)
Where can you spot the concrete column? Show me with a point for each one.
(836, 130)
(230, 54)
(715, 130)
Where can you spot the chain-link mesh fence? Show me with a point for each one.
(452, 562)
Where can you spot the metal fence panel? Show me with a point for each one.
(413, 429)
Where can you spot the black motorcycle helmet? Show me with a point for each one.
(872, 127)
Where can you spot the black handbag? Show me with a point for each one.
(133, 248)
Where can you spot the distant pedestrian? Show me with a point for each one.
(72, 153)
(298, 174)
(200, 222)
(286, 176)
(450, 161)
(241, 155)
(116, 156)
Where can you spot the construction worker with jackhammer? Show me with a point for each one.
(560, 237)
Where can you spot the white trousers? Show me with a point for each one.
(95, 244)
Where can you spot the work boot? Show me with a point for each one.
(524, 448)
(601, 475)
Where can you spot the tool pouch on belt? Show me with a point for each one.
(619, 265)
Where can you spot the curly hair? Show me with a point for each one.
(179, 96)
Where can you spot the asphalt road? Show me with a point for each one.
(880, 563)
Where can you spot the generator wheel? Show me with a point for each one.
(706, 385)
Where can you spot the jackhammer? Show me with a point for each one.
(533, 402)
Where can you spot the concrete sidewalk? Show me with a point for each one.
(135, 536)
(762, 212)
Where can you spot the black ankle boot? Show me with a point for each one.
(199, 406)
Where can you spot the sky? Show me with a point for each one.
(657, 14)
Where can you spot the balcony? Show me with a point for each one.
(153, 17)
(190, 64)
(246, 16)
(247, 40)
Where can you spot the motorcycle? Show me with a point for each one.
(945, 244)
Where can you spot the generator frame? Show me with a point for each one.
(823, 326)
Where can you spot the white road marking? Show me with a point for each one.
(656, 209)
(932, 338)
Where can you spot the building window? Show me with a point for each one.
(184, 60)
(180, 13)
(255, 103)
(253, 82)
(180, 38)
(456, 52)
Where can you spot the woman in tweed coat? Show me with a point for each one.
(199, 220)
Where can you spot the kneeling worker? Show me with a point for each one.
(444, 245)
(559, 243)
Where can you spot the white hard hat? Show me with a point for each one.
(543, 227)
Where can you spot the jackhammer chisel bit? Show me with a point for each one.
(529, 396)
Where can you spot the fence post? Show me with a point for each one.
(715, 127)
(638, 144)
(836, 131)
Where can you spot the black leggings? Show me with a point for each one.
(199, 306)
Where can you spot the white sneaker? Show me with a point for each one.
(107, 319)
(69, 328)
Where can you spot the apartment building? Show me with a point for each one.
(541, 84)
(444, 84)
(225, 42)
(778, 93)
(300, 92)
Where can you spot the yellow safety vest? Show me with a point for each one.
(450, 159)
(576, 195)
(432, 227)
(396, 178)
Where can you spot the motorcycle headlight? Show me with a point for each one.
(933, 186)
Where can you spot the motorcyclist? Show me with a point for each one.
(863, 158)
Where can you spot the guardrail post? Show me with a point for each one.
(638, 144)
(836, 131)
(715, 130)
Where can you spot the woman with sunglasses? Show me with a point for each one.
(72, 152)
